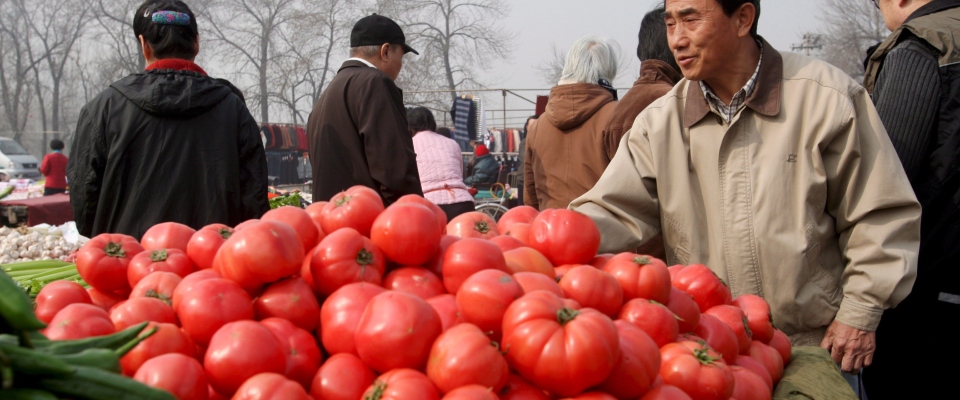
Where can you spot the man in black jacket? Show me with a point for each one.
(358, 129)
(914, 77)
(167, 144)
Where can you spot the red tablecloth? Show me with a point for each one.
(53, 210)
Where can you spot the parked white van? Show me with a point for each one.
(17, 162)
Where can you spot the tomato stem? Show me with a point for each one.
(364, 257)
(225, 233)
(482, 227)
(157, 295)
(642, 260)
(566, 314)
(158, 255)
(378, 388)
(704, 357)
(114, 249)
(746, 326)
(341, 201)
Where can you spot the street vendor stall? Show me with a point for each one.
(53, 210)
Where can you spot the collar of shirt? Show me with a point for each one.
(363, 61)
(736, 103)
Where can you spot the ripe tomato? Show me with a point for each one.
(176, 373)
(438, 214)
(356, 208)
(303, 354)
(759, 319)
(471, 392)
(342, 377)
(78, 321)
(653, 318)
(749, 386)
(407, 233)
(141, 309)
(314, 210)
(345, 257)
(593, 288)
(601, 260)
(520, 231)
(396, 330)
(340, 314)
(270, 386)
(518, 214)
(686, 309)
(402, 384)
(781, 343)
(769, 358)
(105, 300)
(264, 252)
(240, 350)
(565, 237)
(562, 350)
(416, 281)
(642, 277)
(186, 285)
(446, 307)
(299, 220)
(149, 261)
(291, 299)
(211, 304)
(168, 338)
(466, 257)
(734, 318)
(245, 224)
(435, 264)
(703, 284)
(719, 336)
(525, 259)
(638, 364)
(519, 389)
(507, 243)
(697, 370)
(757, 368)
(484, 297)
(167, 235)
(666, 392)
(102, 262)
(592, 396)
(159, 285)
(473, 224)
(56, 295)
(204, 244)
(563, 269)
(464, 355)
(531, 281)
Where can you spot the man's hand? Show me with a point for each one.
(850, 347)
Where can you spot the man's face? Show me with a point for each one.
(393, 62)
(701, 36)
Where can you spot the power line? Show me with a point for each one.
(811, 41)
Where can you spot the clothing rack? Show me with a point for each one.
(283, 137)
(286, 167)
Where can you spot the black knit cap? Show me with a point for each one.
(375, 30)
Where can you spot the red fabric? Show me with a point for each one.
(176, 64)
(302, 139)
(53, 210)
(481, 150)
(541, 105)
(54, 167)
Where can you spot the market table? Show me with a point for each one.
(53, 210)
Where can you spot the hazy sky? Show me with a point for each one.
(536, 24)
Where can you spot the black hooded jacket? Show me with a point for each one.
(165, 145)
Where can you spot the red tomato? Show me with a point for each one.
(438, 214)
(315, 210)
(666, 392)
(78, 321)
(407, 233)
(601, 260)
(734, 318)
(435, 264)
(186, 285)
(240, 350)
(559, 349)
(565, 237)
(176, 373)
(270, 386)
(703, 284)
(245, 224)
(519, 389)
(141, 309)
(642, 277)
(345, 257)
(56, 295)
(531, 281)
(471, 392)
(473, 224)
(592, 396)
(167, 235)
(402, 384)
(563, 269)
(303, 354)
(520, 231)
(291, 299)
(299, 220)
(749, 386)
(484, 297)
(150, 261)
(102, 262)
(340, 314)
(446, 307)
(686, 309)
(521, 214)
(265, 252)
(719, 336)
(507, 243)
(355, 208)
(342, 377)
(525, 259)
(638, 364)
(105, 300)
(697, 370)
(781, 343)
(168, 338)
(159, 285)
(464, 355)
(757, 368)
(769, 358)
(211, 304)
(466, 257)
(396, 330)
(653, 318)
(306, 274)
(416, 281)
(593, 288)
(204, 244)
(759, 319)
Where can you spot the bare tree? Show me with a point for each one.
(552, 69)
(16, 68)
(115, 22)
(849, 28)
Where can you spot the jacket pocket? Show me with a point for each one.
(817, 274)
(676, 242)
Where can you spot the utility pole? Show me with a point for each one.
(811, 41)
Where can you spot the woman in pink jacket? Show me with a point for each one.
(440, 164)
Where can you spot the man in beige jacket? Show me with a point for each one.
(775, 171)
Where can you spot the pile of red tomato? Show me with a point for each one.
(348, 300)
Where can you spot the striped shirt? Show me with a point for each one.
(727, 112)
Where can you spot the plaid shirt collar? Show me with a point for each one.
(727, 112)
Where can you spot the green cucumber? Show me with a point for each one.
(15, 307)
(26, 394)
(111, 342)
(104, 359)
(31, 362)
(97, 384)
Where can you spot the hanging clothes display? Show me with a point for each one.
(480, 119)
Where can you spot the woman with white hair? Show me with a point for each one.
(565, 152)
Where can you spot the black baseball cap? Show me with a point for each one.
(375, 30)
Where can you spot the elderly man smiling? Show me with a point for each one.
(775, 171)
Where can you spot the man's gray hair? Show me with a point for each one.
(365, 51)
(590, 59)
